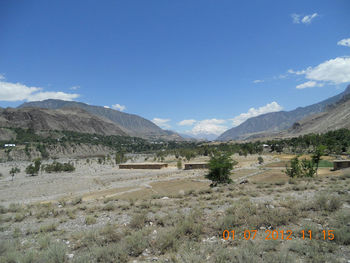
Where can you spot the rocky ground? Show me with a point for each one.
(102, 214)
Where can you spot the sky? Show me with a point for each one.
(196, 67)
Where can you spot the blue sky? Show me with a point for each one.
(210, 63)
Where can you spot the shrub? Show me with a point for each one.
(19, 217)
(110, 253)
(167, 241)
(48, 228)
(136, 243)
(55, 253)
(342, 230)
(260, 160)
(138, 220)
(77, 200)
(109, 207)
(90, 220)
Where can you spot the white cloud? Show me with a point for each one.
(344, 42)
(163, 123)
(300, 72)
(297, 18)
(19, 92)
(333, 71)
(2, 77)
(52, 95)
(118, 107)
(106, 107)
(209, 126)
(309, 84)
(187, 122)
(75, 87)
(252, 112)
(307, 19)
(258, 81)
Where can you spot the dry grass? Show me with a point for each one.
(187, 226)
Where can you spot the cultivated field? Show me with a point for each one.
(102, 214)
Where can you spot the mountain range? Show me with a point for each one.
(129, 124)
(275, 122)
(70, 119)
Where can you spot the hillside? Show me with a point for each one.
(335, 117)
(67, 119)
(131, 124)
(277, 121)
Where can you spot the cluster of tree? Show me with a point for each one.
(34, 168)
(334, 141)
(58, 167)
(304, 167)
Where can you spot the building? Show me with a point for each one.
(143, 165)
(341, 164)
(191, 166)
(10, 145)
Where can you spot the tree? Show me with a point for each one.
(13, 171)
(119, 158)
(34, 169)
(220, 166)
(179, 164)
(303, 168)
(260, 160)
(307, 168)
(316, 157)
(294, 170)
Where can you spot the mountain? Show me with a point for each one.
(131, 124)
(61, 119)
(277, 121)
(336, 116)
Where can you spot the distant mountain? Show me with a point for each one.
(61, 119)
(277, 121)
(131, 124)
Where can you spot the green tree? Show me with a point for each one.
(260, 160)
(307, 168)
(33, 169)
(294, 170)
(179, 164)
(220, 166)
(316, 157)
(119, 158)
(13, 171)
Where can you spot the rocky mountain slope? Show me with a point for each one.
(131, 124)
(335, 117)
(277, 121)
(61, 119)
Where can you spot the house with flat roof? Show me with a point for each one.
(341, 164)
